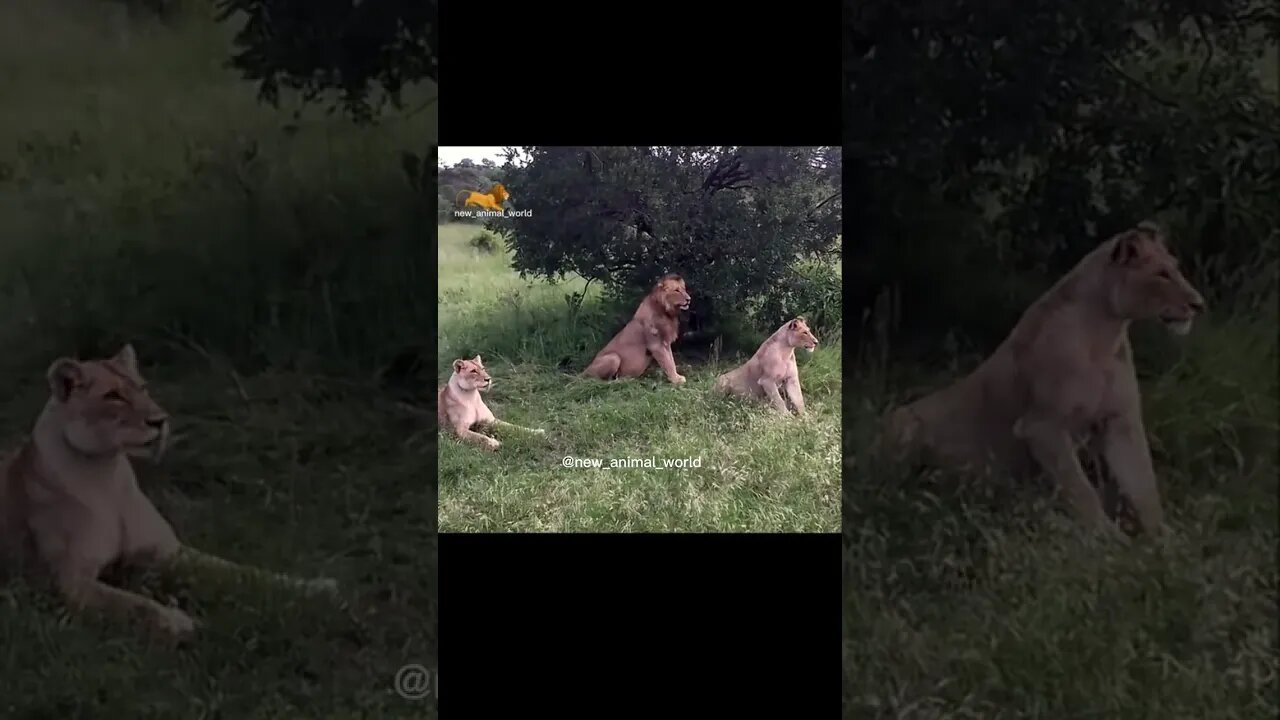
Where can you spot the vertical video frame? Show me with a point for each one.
(639, 339)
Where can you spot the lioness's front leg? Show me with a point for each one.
(469, 435)
(189, 559)
(1124, 445)
(901, 433)
(662, 353)
(1051, 447)
(504, 424)
(770, 388)
(82, 589)
(793, 392)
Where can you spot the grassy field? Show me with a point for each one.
(974, 598)
(265, 269)
(758, 471)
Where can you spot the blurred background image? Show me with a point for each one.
(986, 151)
(192, 177)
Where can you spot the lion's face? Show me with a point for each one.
(105, 407)
(499, 193)
(798, 334)
(672, 294)
(1148, 282)
(471, 374)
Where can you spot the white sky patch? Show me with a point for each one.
(452, 155)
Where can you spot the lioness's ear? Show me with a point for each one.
(477, 360)
(457, 365)
(1152, 229)
(65, 375)
(127, 358)
(1125, 250)
(795, 324)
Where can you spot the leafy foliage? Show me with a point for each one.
(485, 242)
(734, 221)
(347, 45)
(812, 290)
(990, 146)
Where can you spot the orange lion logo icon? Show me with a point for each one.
(491, 200)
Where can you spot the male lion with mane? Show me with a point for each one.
(70, 505)
(648, 334)
(1064, 376)
(773, 365)
(491, 200)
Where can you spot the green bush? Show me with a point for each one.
(485, 242)
(811, 289)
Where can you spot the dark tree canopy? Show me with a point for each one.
(368, 50)
(736, 222)
(989, 145)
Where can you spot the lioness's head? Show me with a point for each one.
(471, 375)
(671, 294)
(1147, 282)
(798, 334)
(105, 409)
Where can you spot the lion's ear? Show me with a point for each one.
(457, 365)
(127, 358)
(1125, 251)
(1153, 230)
(477, 360)
(65, 375)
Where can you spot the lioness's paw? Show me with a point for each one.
(492, 444)
(678, 379)
(174, 623)
(539, 431)
(322, 586)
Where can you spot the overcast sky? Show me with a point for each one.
(455, 154)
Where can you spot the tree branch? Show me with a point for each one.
(726, 175)
(429, 102)
(831, 197)
(1204, 35)
(1142, 87)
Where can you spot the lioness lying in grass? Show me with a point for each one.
(70, 505)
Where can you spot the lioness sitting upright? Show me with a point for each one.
(459, 407)
(1065, 374)
(773, 365)
(70, 504)
(649, 333)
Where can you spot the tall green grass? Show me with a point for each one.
(140, 172)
